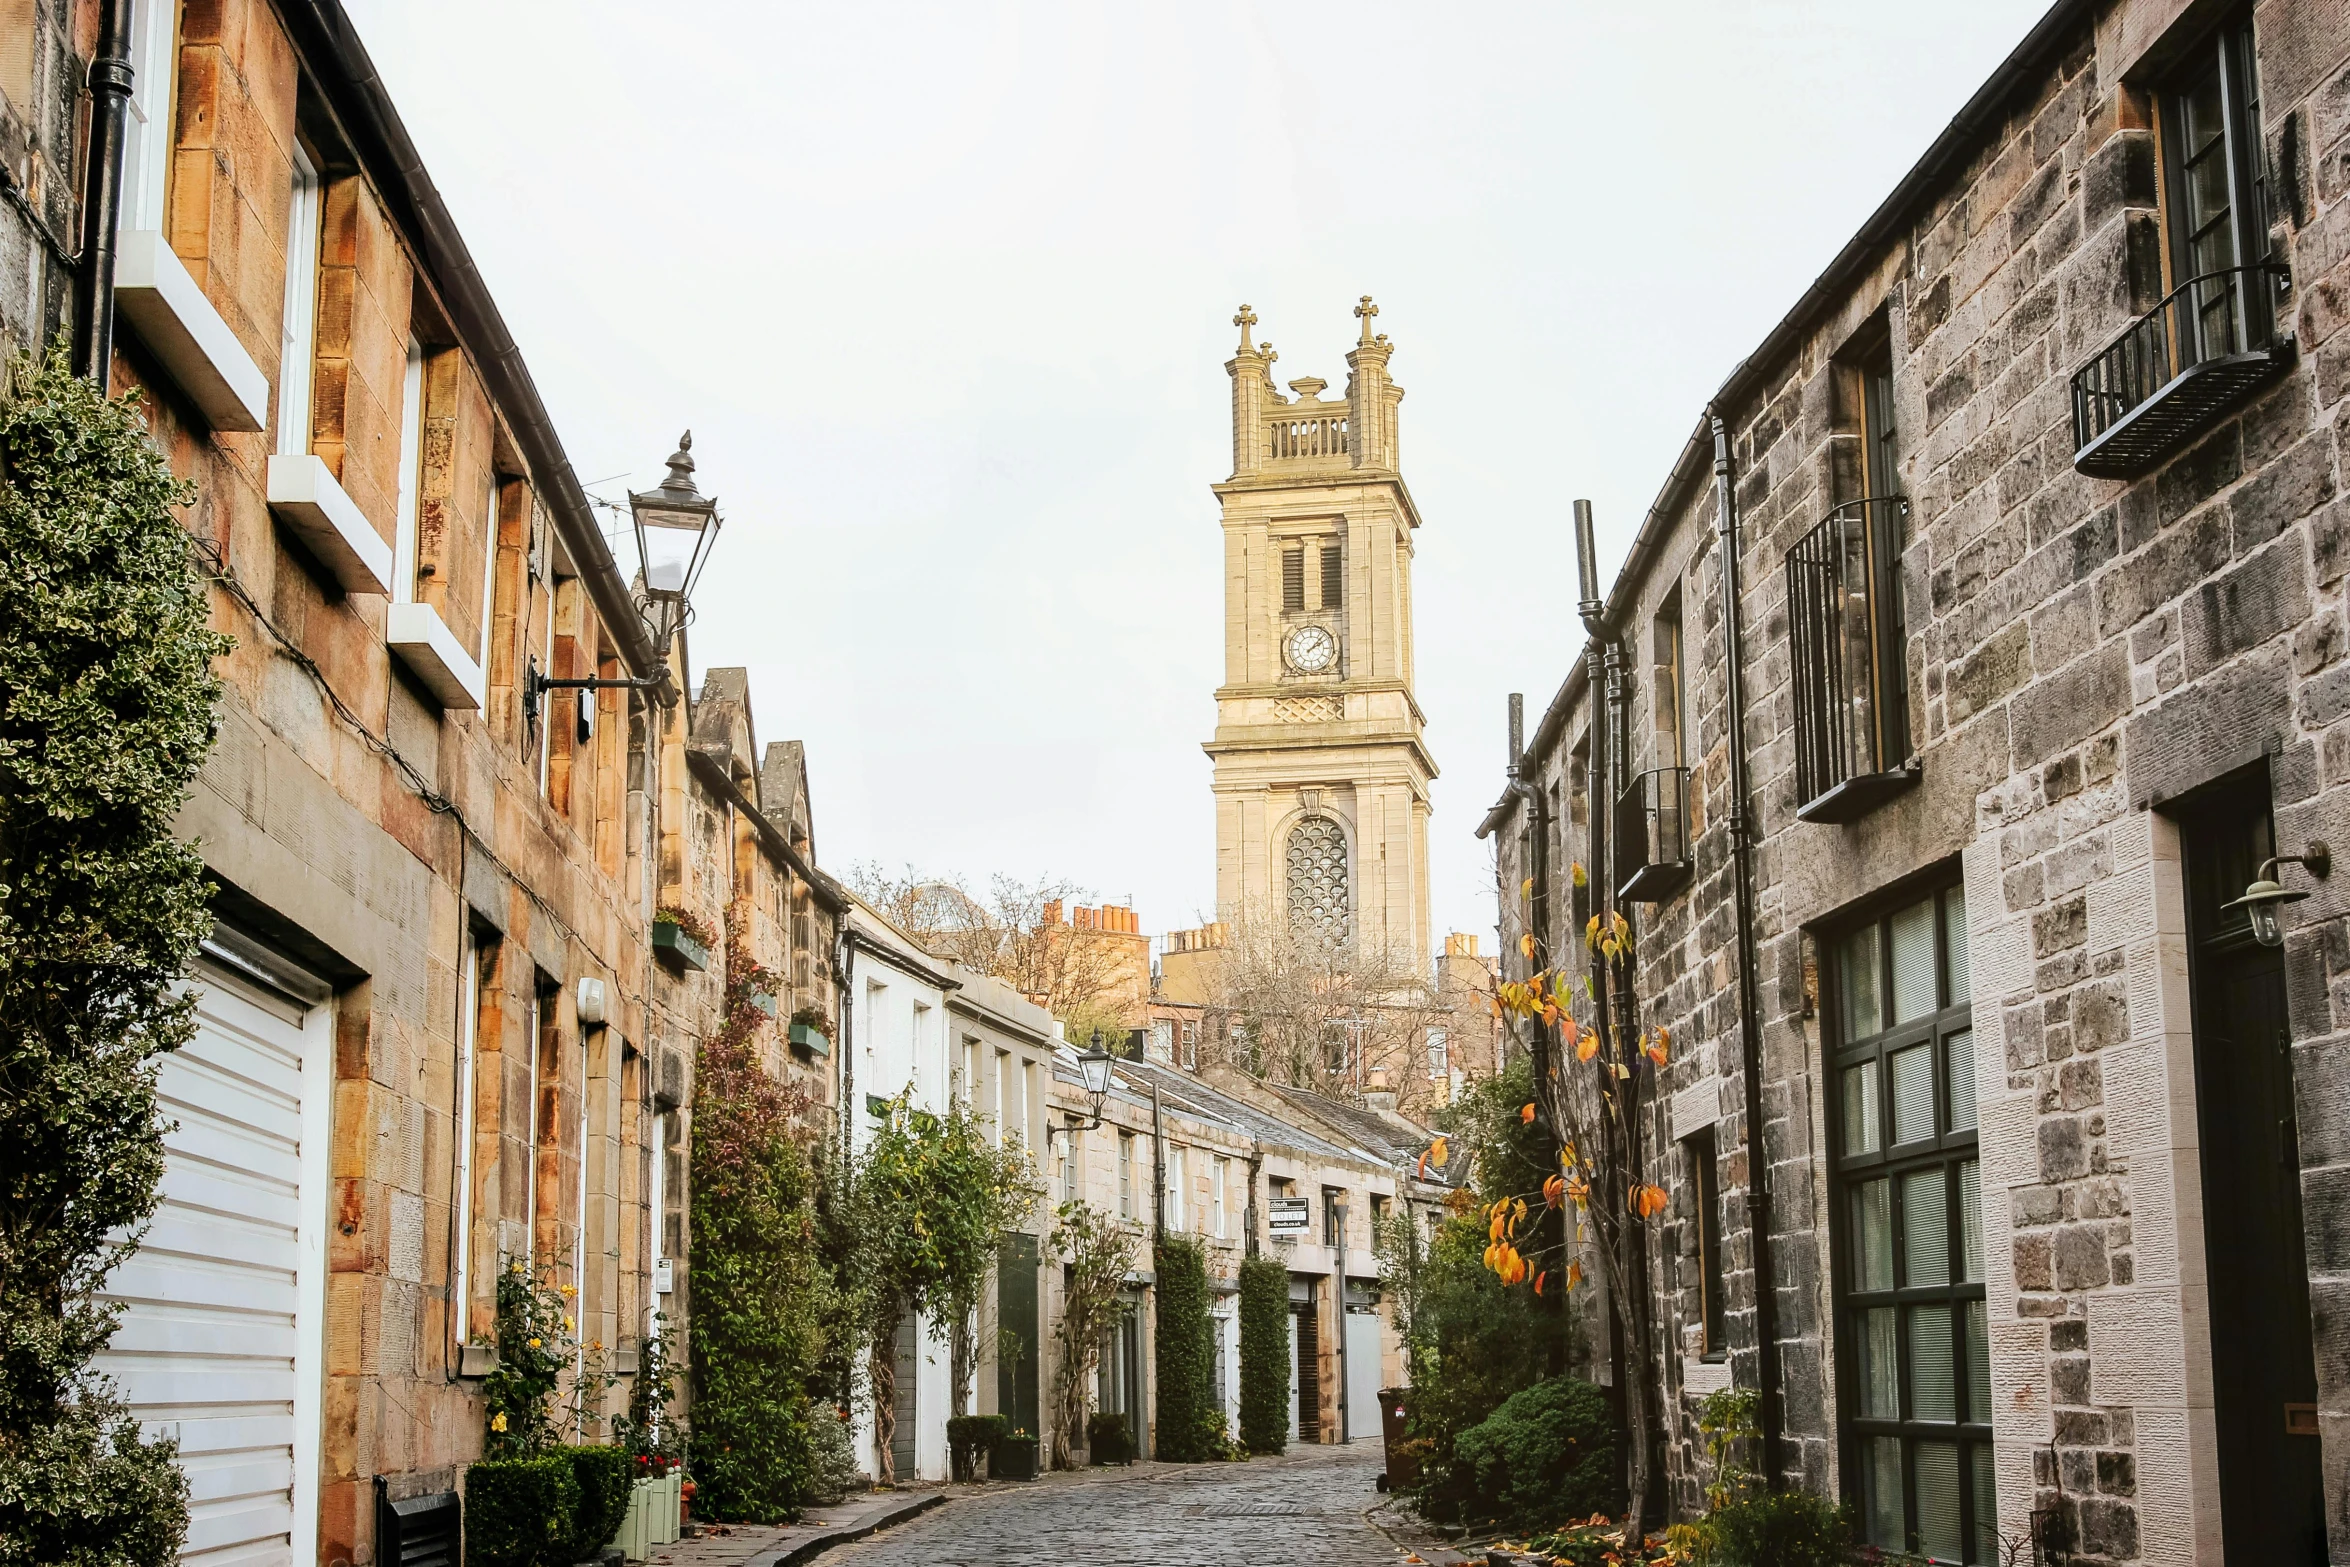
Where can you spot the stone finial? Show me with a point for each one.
(1246, 319)
(1363, 313)
(1309, 387)
(681, 467)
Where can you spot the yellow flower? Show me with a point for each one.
(498, 1421)
(567, 1322)
(570, 1290)
(534, 1343)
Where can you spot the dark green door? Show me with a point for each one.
(2263, 1360)
(1017, 1330)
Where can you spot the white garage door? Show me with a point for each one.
(220, 1336)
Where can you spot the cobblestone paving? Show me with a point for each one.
(1305, 1507)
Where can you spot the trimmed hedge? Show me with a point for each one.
(1778, 1529)
(968, 1436)
(1547, 1453)
(1264, 1356)
(603, 1476)
(520, 1512)
(1191, 1417)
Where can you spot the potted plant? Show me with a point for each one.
(811, 1031)
(1014, 1457)
(969, 1436)
(682, 939)
(1107, 1440)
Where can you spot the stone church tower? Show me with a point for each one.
(1321, 771)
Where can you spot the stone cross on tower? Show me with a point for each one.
(1246, 319)
(1364, 312)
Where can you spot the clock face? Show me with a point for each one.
(1312, 649)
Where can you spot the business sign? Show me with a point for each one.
(1289, 1216)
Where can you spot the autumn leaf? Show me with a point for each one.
(1526, 945)
(1581, 880)
(1554, 1191)
(1437, 1153)
(1539, 1279)
(1527, 1114)
(1574, 1274)
(1655, 1048)
(1649, 1201)
(1588, 1045)
(1526, 888)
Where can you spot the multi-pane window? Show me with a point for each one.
(1911, 1329)
(1293, 578)
(1126, 1175)
(2216, 191)
(1439, 1053)
(1220, 1175)
(1333, 1217)
(1705, 1191)
(1178, 1179)
(297, 336)
(1333, 578)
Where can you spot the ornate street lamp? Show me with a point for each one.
(1094, 1066)
(675, 527)
(2266, 895)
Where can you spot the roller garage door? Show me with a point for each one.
(219, 1342)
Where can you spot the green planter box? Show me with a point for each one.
(680, 949)
(806, 1036)
(1014, 1458)
(765, 1001)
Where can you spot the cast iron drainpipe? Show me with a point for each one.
(110, 96)
(1758, 1195)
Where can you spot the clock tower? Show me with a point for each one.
(1321, 771)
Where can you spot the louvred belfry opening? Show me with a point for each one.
(1319, 907)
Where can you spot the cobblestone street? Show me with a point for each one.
(1305, 1507)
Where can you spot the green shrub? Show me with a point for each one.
(968, 1436)
(1265, 1391)
(106, 713)
(520, 1512)
(833, 1443)
(1778, 1529)
(1191, 1423)
(1108, 1440)
(1546, 1454)
(603, 1476)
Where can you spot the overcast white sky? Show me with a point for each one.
(945, 294)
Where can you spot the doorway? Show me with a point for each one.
(2264, 1369)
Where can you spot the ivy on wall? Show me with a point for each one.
(106, 713)
(1265, 1392)
(759, 1297)
(1191, 1417)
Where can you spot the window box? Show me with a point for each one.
(304, 496)
(425, 644)
(195, 347)
(1851, 668)
(1014, 1458)
(1652, 836)
(805, 1037)
(765, 1001)
(2179, 368)
(678, 948)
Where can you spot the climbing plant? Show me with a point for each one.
(759, 1297)
(1266, 1403)
(1191, 1415)
(1096, 1252)
(106, 713)
(535, 1329)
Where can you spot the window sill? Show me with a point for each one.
(423, 642)
(1854, 798)
(155, 294)
(305, 497)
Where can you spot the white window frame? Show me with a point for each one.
(1223, 1174)
(1439, 1054)
(411, 456)
(468, 1024)
(530, 1167)
(1126, 1176)
(146, 153)
(298, 334)
(1178, 1174)
(656, 1200)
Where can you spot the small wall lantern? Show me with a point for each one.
(2267, 895)
(1094, 1066)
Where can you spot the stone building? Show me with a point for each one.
(2015, 1183)
(1321, 771)
(434, 1037)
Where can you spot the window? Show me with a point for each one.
(1190, 1045)
(1178, 1174)
(1002, 1089)
(411, 456)
(1126, 1175)
(1915, 1358)
(1705, 1192)
(1293, 578)
(1221, 1176)
(1319, 896)
(1333, 1217)
(297, 336)
(1029, 1105)
(1163, 1039)
(1072, 1165)
(469, 977)
(1439, 1054)
(2215, 191)
(1333, 578)
(966, 1086)
(1845, 630)
(147, 134)
(1664, 685)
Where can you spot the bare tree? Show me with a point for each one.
(1019, 932)
(1338, 1017)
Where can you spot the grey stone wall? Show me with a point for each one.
(40, 210)
(2079, 650)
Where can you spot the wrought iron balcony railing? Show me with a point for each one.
(2176, 370)
(1850, 670)
(1652, 836)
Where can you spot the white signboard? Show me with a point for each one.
(1289, 1216)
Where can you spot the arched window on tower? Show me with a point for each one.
(1320, 905)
